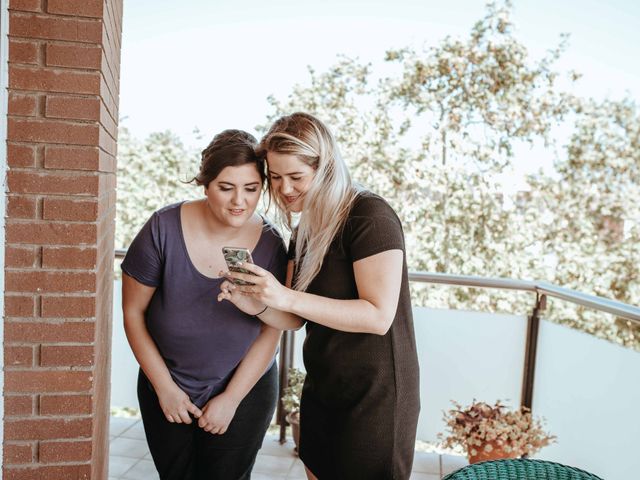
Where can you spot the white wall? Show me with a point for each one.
(586, 388)
(124, 368)
(589, 391)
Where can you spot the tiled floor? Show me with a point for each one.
(129, 458)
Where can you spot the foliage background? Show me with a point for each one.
(437, 136)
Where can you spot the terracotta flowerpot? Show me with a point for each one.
(496, 453)
(293, 419)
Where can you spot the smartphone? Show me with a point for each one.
(233, 255)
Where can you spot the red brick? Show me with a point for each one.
(18, 405)
(51, 233)
(65, 404)
(107, 142)
(52, 472)
(21, 207)
(37, 332)
(23, 52)
(74, 108)
(23, 105)
(80, 8)
(17, 454)
(21, 155)
(20, 257)
(66, 355)
(61, 209)
(52, 183)
(109, 124)
(69, 258)
(71, 158)
(25, 5)
(36, 381)
(18, 356)
(38, 281)
(76, 56)
(59, 452)
(19, 306)
(68, 307)
(55, 28)
(52, 131)
(54, 80)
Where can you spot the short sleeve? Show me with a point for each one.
(291, 251)
(373, 228)
(278, 265)
(144, 259)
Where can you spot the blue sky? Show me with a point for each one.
(211, 64)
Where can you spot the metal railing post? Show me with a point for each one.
(529, 370)
(286, 362)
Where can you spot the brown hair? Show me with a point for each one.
(230, 148)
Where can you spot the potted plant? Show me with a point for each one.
(490, 432)
(291, 402)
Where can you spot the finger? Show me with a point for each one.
(226, 286)
(240, 276)
(253, 268)
(184, 416)
(193, 410)
(222, 431)
(170, 419)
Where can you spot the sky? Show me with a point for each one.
(211, 64)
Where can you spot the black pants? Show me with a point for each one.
(187, 452)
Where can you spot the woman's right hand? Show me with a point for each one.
(176, 405)
(246, 303)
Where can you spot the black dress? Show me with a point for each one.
(360, 400)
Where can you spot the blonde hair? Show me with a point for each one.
(330, 195)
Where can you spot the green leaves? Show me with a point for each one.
(437, 133)
(151, 174)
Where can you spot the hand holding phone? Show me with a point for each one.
(233, 255)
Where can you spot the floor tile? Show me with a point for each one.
(266, 476)
(271, 464)
(296, 470)
(129, 447)
(135, 431)
(118, 465)
(118, 425)
(424, 476)
(424, 462)
(271, 446)
(143, 470)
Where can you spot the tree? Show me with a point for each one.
(434, 138)
(463, 106)
(593, 207)
(151, 174)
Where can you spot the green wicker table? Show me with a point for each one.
(520, 469)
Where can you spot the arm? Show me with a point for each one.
(175, 404)
(280, 319)
(378, 279)
(219, 411)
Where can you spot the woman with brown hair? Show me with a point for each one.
(208, 383)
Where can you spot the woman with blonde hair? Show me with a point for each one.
(347, 281)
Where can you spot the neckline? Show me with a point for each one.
(186, 251)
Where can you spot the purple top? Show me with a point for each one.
(201, 340)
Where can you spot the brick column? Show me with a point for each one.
(64, 60)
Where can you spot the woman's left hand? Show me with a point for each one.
(217, 414)
(266, 288)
